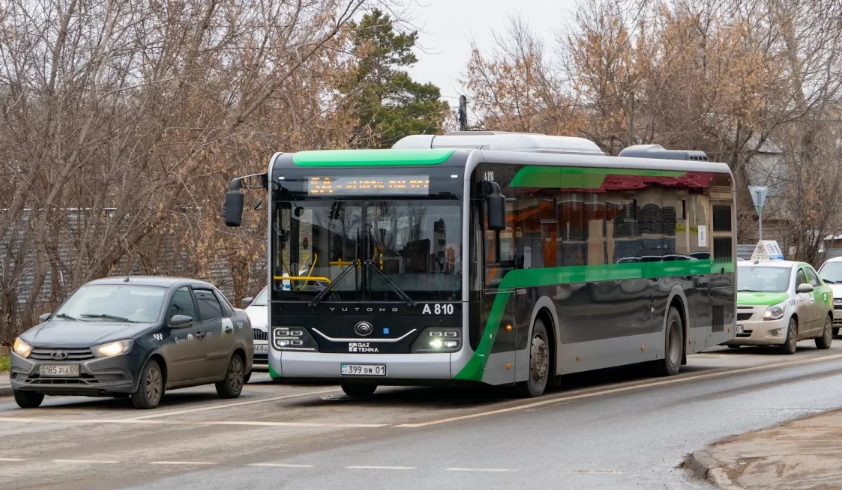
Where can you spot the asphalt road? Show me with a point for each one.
(612, 429)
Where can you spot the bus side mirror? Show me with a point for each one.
(233, 210)
(496, 204)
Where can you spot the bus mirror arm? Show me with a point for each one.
(496, 205)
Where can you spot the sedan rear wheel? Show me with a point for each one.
(232, 385)
(824, 341)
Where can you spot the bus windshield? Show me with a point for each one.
(366, 250)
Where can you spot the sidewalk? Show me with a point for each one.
(802, 454)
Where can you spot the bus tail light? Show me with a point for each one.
(437, 339)
(293, 338)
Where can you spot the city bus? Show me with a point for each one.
(495, 258)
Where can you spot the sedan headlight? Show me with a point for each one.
(112, 349)
(774, 312)
(21, 348)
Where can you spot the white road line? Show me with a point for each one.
(281, 465)
(229, 405)
(45, 420)
(84, 461)
(11, 460)
(566, 398)
(485, 470)
(381, 467)
(186, 463)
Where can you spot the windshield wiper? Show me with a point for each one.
(388, 280)
(324, 292)
(66, 316)
(107, 316)
(828, 281)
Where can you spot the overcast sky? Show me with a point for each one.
(447, 27)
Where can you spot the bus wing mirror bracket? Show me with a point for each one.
(233, 210)
(496, 206)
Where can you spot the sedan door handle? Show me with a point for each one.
(200, 335)
(229, 329)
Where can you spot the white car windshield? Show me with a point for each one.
(261, 298)
(831, 272)
(763, 279)
(108, 303)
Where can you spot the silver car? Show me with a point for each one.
(257, 310)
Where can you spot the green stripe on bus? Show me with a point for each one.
(577, 177)
(272, 373)
(475, 368)
(370, 158)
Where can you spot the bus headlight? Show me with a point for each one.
(438, 339)
(774, 312)
(292, 338)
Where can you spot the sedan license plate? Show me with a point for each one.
(261, 348)
(59, 371)
(363, 370)
(739, 329)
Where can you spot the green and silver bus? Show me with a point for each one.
(497, 258)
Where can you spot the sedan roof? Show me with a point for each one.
(160, 281)
(769, 263)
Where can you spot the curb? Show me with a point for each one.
(706, 467)
(5, 390)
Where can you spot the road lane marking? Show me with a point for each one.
(228, 405)
(281, 465)
(44, 420)
(381, 467)
(172, 463)
(11, 460)
(84, 461)
(484, 470)
(621, 389)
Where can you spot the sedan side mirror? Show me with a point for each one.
(45, 317)
(247, 301)
(181, 321)
(804, 288)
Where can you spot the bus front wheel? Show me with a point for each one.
(539, 362)
(358, 391)
(673, 343)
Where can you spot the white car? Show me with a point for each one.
(257, 310)
(831, 274)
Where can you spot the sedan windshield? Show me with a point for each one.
(763, 279)
(110, 303)
(261, 298)
(831, 272)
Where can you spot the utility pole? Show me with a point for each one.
(631, 119)
(463, 113)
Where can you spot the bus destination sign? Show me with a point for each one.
(368, 186)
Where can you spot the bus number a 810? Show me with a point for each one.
(437, 309)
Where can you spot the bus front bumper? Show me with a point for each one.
(316, 365)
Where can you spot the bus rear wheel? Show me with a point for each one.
(674, 343)
(539, 362)
(359, 391)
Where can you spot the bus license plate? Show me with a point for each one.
(363, 370)
(261, 348)
(62, 371)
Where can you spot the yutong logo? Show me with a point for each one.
(362, 347)
(363, 329)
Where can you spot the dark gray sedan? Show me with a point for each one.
(134, 337)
